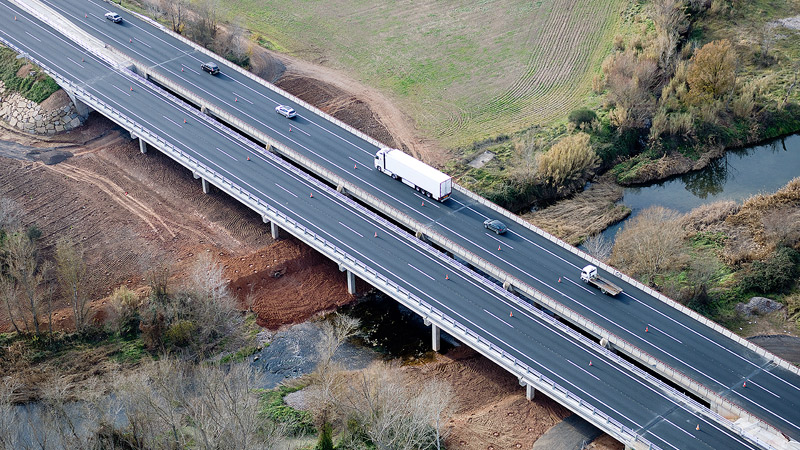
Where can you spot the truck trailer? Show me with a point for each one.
(590, 276)
(414, 173)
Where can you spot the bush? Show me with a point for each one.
(180, 333)
(37, 88)
(582, 116)
(325, 441)
(776, 274)
(567, 161)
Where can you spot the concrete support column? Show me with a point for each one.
(81, 108)
(351, 283)
(205, 186)
(530, 392)
(142, 146)
(275, 230)
(436, 342)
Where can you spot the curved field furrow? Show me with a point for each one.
(463, 71)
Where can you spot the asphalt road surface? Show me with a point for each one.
(719, 363)
(427, 274)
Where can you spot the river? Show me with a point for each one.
(737, 175)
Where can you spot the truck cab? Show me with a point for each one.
(589, 272)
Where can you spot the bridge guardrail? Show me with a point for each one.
(383, 207)
(450, 325)
(567, 313)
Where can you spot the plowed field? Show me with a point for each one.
(463, 71)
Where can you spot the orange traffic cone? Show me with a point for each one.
(559, 279)
(15, 18)
(131, 88)
(511, 314)
(744, 385)
(698, 427)
(590, 363)
(355, 166)
(423, 203)
(290, 129)
(376, 234)
(498, 248)
(236, 99)
(312, 195)
(184, 120)
(248, 158)
(85, 16)
(181, 69)
(446, 277)
(646, 329)
(130, 40)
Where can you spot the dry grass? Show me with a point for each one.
(583, 215)
(762, 223)
(464, 71)
(702, 217)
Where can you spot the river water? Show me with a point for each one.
(736, 176)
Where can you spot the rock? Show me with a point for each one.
(758, 306)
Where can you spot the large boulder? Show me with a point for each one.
(758, 306)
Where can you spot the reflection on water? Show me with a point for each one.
(735, 176)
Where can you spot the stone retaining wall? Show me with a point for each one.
(54, 115)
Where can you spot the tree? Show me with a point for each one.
(203, 28)
(176, 11)
(10, 215)
(25, 286)
(598, 246)
(712, 72)
(568, 160)
(71, 270)
(650, 244)
(631, 79)
(670, 20)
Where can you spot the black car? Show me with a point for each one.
(495, 225)
(210, 67)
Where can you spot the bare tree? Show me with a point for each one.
(205, 23)
(328, 377)
(394, 414)
(71, 269)
(176, 12)
(174, 404)
(10, 215)
(650, 243)
(671, 21)
(26, 284)
(122, 310)
(598, 246)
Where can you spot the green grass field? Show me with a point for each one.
(464, 71)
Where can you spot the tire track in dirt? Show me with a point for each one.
(112, 190)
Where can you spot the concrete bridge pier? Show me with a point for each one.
(436, 342)
(275, 230)
(351, 283)
(205, 185)
(530, 392)
(351, 280)
(142, 146)
(81, 108)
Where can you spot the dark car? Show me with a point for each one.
(210, 67)
(495, 225)
(114, 17)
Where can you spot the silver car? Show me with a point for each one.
(285, 111)
(114, 17)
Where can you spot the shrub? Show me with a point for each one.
(325, 441)
(776, 274)
(582, 116)
(124, 311)
(180, 333)
(568, 160)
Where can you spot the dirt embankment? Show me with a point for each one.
(133, 212)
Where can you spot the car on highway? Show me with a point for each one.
(114, 17)
(285, 111)
(495, 225)
(210, 67)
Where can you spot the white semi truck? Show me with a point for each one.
(590, 276)
(415, 173)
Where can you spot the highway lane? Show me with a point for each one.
(423, 273)
(681, 342)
